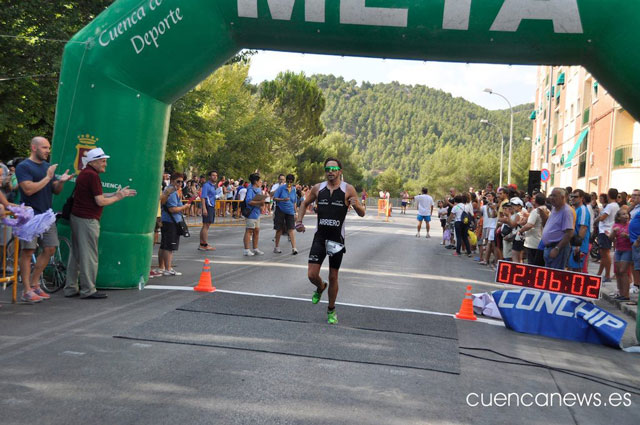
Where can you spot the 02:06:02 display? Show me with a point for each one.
(552, 280)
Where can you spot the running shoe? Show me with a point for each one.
(171, 272)
(277, 250)
(248, 253)
(257, 252)
(417, 235)
(428, 236)
(621, 298)
(317, 295)
(206, 248)
(154, 273)
(294, 251)
(455, 254)
(332, 317)
(39, 292)
(30, 297)
(607, 280)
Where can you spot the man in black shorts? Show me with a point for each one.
(334, 197)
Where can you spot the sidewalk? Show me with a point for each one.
(609, 288)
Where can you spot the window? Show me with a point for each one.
(582, 159)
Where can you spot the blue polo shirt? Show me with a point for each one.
(251, 193)
(209, 193)
(287, 207)
(172, 201)
(28, 170)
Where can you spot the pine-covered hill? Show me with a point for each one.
(400, 126)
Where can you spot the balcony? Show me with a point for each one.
(627, 156)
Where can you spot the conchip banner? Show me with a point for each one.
(559, 316)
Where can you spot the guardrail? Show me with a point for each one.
(10, 252)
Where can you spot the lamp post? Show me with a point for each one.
(510, 131)
(501, 146)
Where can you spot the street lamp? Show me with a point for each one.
(510, 131)
(501, 146)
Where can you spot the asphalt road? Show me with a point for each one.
(274, 360)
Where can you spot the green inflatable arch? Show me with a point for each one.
(121, 73)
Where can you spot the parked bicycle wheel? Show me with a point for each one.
(54, 275)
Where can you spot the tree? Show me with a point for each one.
(390, 181)
(31, 62)
(299, 102)
(222, 125)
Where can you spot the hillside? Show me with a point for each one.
(400, 126)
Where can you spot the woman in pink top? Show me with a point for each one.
(620, 236)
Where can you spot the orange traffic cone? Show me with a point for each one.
(204, 284)
(466, 309)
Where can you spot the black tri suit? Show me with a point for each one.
(332, 210)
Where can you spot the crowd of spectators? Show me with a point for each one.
(560, 230)
(209, 196)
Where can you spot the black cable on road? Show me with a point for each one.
(529, 363)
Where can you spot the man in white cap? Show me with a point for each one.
(38, 183)
(88, 202)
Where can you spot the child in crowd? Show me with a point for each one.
(622, 257)
(442, 215)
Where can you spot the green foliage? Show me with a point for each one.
(299, 102)
(310, 161)
(222, 125)
(27, 102)
(390, 181)
(429, 137)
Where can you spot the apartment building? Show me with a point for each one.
(581, 134)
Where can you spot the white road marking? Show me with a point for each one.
(421, 276)
(282, 297)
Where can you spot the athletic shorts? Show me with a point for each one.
(211, 214)
(48, 239)
(404, 204)
(518, 246)
(170, 240)
(623, 257)
(319, 252)
(283, 221)
(426, 218)
(489, 233)
(443, 223)
(252, 223)
(603, 241)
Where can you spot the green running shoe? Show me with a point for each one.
(332, 317)
(315, 299)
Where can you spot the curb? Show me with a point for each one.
(629, 310)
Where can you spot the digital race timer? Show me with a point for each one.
(552, 280)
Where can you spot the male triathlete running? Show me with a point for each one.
(334, 199)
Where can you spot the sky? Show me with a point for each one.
(516, 83)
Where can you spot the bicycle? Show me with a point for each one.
(54, 275)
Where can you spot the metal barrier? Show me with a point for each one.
(384, 208)
(227, 214)
(10, 252)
